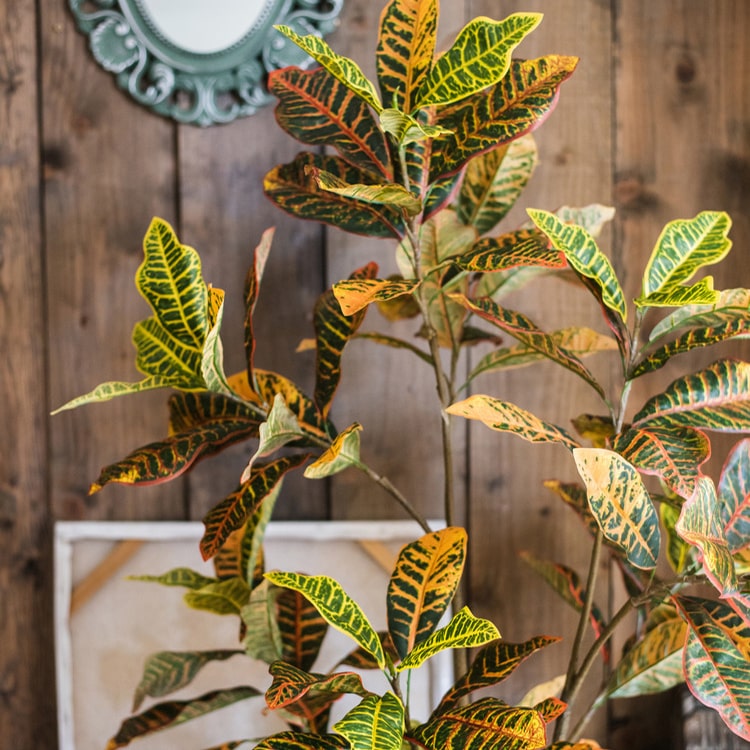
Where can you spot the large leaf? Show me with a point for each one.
(335, 606)
(303, 741)
(301, 628)
(620, 504)
(506, 417)
(583, 254)
(233, 511)
(673, 453)
(167, 671)
(521, 248)
(525, 330)
(317, 109)
(653, 664)
(333, 329)
(734, 496)
(716, 398)
(684, 247)
(493, 663)
(486, 724)
(250, 293)
(342, 68)
(700, 524)
(510, 109)
(292, 188)
(493, 182)
(422, 585)
(377, 723)
(406, 47)
(188, 410)
(176, 712)
(463, 631)
(716, 660)
(480, 57)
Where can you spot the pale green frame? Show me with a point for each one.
(200, 89)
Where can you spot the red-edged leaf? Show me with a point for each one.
(356, 295)
(734, 496)
(550, 709)
(303, 741)
(524, 247)
(252, 288)
(190, 410)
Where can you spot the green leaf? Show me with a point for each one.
(716, 664)
(700, 524)
(406, 47)
(486, 724)
(493, 182)
(684, 247)
(301, 628)
(506, 417)
(333, 330)
(356, 294)
(584, 256)
(422, 586)
(317, 109)
(233, 511)
(734, 496)
(377, 723)
(167, 671)
(250, 293)
(176, 712)
(522, 248)
(292, 188)
(716, 398)
(493, 663)
(406, 129)
(673, 453)
(479, 58)
(112, 389)
(653, 664)
(525, 330)
(342, 68)
(677, 551)
(592, 217)
(343, 453)
(490, 119)
(336, 607)
(212, 362)
(183, 577)
(303, 741)
(221, 597)
(463, 631)
(620, 504)
(262, 638)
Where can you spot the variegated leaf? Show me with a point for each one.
(700, 524)
(303, 741)
(653, 664)
(592, 217)
(463, 631)
(493, 663)
(581, 251)
(292, 188)
(183, 577)
(506, 417)
(317, 109)
(377, 723)
(486, 724)
(716, 660)
(595, 428)
(113, 389)
(167, 671)
(333, 330)
(343, 453)
(480, 57)
(550, 709)
(342, 68)
(422, 586)
(493, 182)
(700, 293)
(360, 659)
(734, 496)
(684, 247)
(512, 108)
(407, 129)
(406, 47)
(620, 504)
(335, 606)
(232, 512)
(678, 552)
(525, 330)
(188, 411)
(176, 712)
(717, 398)
(301, 628)
(221, 597)
(522, 248)
(574, 495)
(580, 745)
(262, 639)
(356, 294)
(250, 293)
(673, 453)
(212, 361)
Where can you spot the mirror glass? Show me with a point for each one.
(204, 27)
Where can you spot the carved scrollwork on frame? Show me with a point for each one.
(194, 82)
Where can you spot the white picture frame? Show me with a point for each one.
(107, 625)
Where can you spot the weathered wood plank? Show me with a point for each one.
(109, 166)
(27, 702)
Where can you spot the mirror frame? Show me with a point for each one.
(198, 88)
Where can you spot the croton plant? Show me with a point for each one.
(433, 155)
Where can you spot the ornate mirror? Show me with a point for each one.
(199, 61)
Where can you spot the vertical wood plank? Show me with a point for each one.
(108, 167)
(224, 213)
(27, 702)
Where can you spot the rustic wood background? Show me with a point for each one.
(655, 121)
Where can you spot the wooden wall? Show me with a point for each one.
(655, 121)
